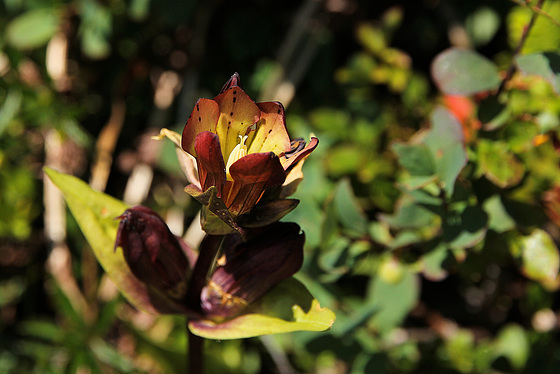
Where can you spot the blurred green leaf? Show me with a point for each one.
(464, 72)
(498, 164)
(33, 28)
(9, 108)
(546, 65)
(416, 158)
(288, 307)
(513, 343)
(445, 140)
(498, 218)
(544, 35)
(540, 256)
(348, 210)
(460, 350)
(482, 25)
(391, 302)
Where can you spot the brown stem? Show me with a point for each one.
(524, 36)
(207, 252)
(195, 353)
(206, 258)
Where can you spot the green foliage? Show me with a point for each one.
(430, 207)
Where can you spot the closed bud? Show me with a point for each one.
(155, 256)
(252, 268)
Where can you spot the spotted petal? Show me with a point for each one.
(251, 175)
(270, 134)
(204, 117)
(238, 112)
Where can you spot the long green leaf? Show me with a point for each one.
(95, 213)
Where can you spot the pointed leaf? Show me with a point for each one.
(446, 142)
(415, 158)
(95, 213)
(216, 218)
(288, 307)
(464, 72)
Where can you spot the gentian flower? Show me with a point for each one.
(242, 151)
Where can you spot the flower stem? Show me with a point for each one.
(207, 252)
(206, 258)
(195, 353)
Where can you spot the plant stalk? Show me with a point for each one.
(207, 253)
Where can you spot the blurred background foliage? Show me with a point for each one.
(431, 207)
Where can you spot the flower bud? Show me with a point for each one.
(252, 268)
(155, 256)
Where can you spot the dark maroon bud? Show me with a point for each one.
(252, 268)
(153, 253)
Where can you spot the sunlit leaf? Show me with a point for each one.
(288, 307)
(498, 164)
(464, 72)
(540, 256)
(512, 343)
(544, 35)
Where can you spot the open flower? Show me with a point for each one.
(242, 150)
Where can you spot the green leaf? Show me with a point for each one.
(392, 301)
(498, 164)
(416, 158)
(544, 35)
(347, 209)
(546, 65)
(445, 140)
(464, 72)
(288, 307)
(482, 25)
(540, 256)
(34, 28)
(95, 213)
(513, 343)
(498, 218)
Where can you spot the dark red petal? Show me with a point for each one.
(252, 175)
(204, 117)
(155, 256)
(234, 80)
(293, 159)
(211, 166)
(252, 268)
